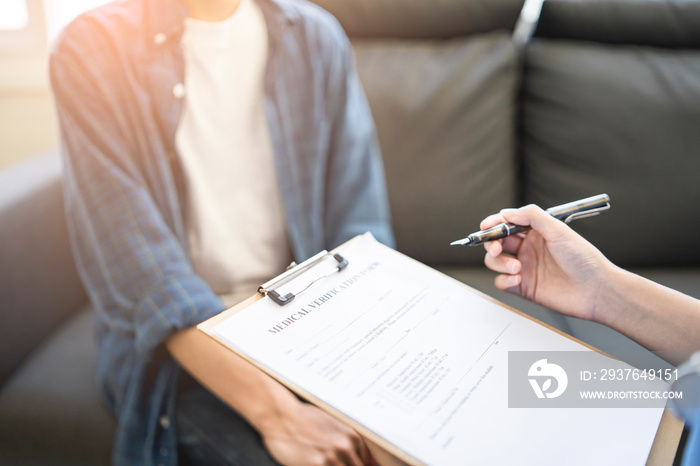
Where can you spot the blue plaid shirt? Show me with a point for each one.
(116, 73)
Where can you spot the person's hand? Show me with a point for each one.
(550, 264)
(307, 436)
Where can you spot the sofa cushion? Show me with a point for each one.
(445, 113)
(51, 410)
(621, 120)
(422, 19)
(39, 285)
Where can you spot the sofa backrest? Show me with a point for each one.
(605, 98)
(445, 114)
(654, 23)
(611, 103)
(441, 77)
(39, 286)
(422, 19)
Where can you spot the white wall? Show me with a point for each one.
(27, 123)
(27, 118)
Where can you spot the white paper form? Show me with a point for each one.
(421, 361)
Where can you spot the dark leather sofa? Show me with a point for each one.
(604, 98)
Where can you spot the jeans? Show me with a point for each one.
(211, 433)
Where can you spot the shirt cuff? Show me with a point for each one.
(177, 303)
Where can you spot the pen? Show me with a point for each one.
(583, 208)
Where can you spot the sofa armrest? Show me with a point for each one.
(39, 284)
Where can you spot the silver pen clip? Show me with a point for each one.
(586, 213)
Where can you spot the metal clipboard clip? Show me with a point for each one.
(294, 271)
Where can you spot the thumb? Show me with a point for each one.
(531, 215)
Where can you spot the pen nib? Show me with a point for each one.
(461, 242)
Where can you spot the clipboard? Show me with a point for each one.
(384, 452)
(303, 279)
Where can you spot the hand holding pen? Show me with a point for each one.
(552, 265)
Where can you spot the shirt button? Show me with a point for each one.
(164, 422)
(159, 38)
(163, 451)
(179, 90)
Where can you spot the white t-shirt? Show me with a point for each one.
(236, 230)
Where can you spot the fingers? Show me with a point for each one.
(347, 449)
(362, 452)
(502, 263)
(493, 248)
(311, 437)
(491, 221)
(509, 268)
(366, 454)
(350, 450)
(509, 283)
(509, 245)
(530, 215)
(521, 216)
(549, 227)
(349, 457)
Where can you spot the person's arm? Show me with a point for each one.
(554, 266)
(125, 234)
(294, 432)
(136, 270)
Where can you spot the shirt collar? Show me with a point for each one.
(164, 19)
